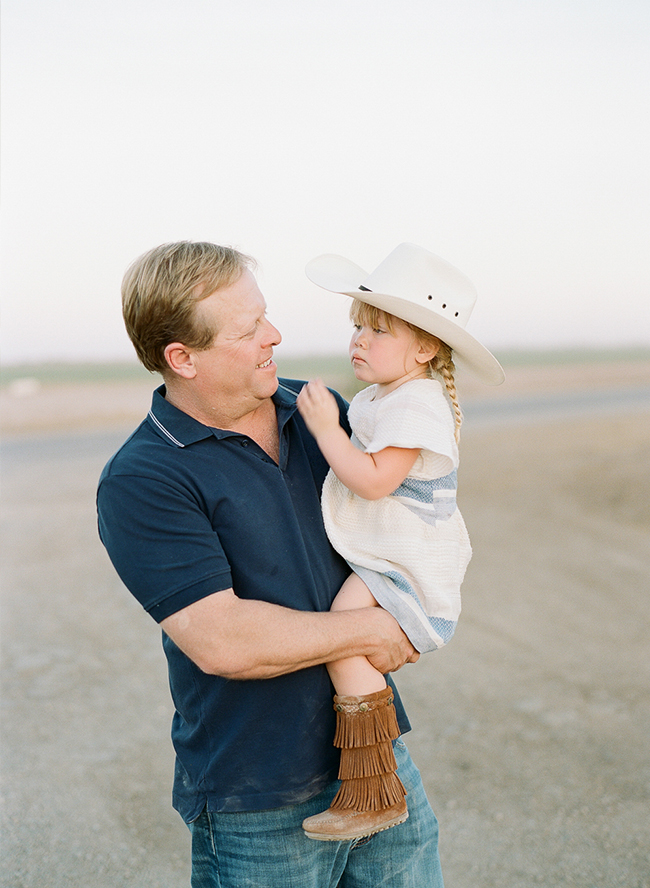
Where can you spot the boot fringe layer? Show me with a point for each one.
(367, 761)
(369, 793)
(365, 723)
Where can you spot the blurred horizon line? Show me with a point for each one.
(123, 369)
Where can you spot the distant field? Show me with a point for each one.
(331, 367)
(35, 398)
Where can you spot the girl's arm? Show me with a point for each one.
(369, 475)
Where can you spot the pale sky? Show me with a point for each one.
(511, 137)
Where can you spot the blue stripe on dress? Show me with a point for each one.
(423, 489)
(396, 595)
(426, 499)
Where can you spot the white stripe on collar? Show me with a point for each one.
(287, 389)
(177, 442)
(164, 430)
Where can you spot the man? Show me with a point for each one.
(210, 513)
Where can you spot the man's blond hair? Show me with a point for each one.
(160, 291)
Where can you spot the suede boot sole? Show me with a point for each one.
(345, 826)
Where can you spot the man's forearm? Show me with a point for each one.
(240, 639)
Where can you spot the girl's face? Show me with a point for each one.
(387, 357)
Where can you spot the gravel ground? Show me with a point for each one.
(531, 729)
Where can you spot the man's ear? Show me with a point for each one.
(180, 360)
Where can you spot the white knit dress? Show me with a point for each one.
(411, 548)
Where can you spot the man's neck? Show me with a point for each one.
(257, 420)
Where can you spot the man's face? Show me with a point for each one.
(239, 366)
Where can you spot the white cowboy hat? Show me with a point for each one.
(417, 287)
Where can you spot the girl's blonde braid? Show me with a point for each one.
(443, 364)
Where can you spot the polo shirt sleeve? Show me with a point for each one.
(160, 542)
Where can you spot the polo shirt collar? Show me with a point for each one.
(180, 429)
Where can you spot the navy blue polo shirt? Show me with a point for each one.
(185, 511)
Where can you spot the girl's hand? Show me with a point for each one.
(318, 408)
(369, 475)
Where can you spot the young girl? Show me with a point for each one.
(389, 501)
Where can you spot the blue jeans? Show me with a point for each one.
(268, 849)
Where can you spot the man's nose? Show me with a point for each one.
(273, 334)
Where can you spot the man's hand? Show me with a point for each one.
(394, 649)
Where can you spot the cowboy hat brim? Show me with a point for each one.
(339, 275)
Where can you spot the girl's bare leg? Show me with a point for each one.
(354, 676)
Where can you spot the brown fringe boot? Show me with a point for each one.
(371, 796)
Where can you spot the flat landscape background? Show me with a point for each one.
(531, 729)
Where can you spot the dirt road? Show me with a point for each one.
(531, 728)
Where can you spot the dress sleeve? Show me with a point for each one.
(418, 417)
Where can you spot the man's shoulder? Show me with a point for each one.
(135, 451)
